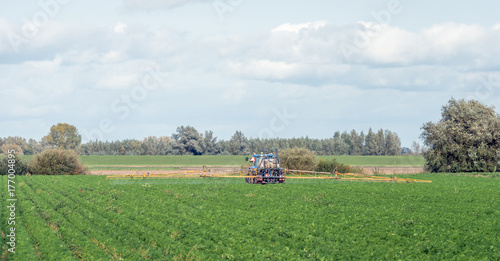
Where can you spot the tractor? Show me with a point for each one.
(266, 168)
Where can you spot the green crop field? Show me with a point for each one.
(91, 218)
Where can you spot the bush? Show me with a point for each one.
(20, 166)
(57, 162)
(298, 159)
(331, 165)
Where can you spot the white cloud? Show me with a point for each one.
(113, 57)
(296, 28)
(120, 28)
(150, 5)
(44, 67)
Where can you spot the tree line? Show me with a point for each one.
(189, 141)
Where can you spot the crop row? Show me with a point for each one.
(87, 217)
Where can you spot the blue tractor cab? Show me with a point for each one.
(266, 168)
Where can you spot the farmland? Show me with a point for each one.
(174, 162)
(170, 162)
(230, 160)
(88, 217)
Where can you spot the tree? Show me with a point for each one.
(415, 147)
(21, 142)
(13, 148)
(188, 141)
(371, 144)
(466, 139)
(64, 136)
(209, 143)
(35, 146)
(357, 143)
(392, 143)
(238, 144)
(298, 159)
(380, 141)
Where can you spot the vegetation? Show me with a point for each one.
(332, 166)
(64, 136)
(238, 145)
(298, 159)
(188, 141)
(466, 139)
(417, 161)
(168, 160)
(89, 218)
(113, 162)
(14, 148)
(56, 162)
(19, 165)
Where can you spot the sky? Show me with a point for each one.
(124, 69)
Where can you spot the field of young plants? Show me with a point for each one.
(90, 218)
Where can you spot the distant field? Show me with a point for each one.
(120, 161)
(379, 160)
(170, 161)
(160, 161)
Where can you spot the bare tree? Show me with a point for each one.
(415, 147)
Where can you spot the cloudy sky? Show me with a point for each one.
(122, 69)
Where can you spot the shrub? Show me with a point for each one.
(331, 165)
(20, 166)
(57, 162)
(298, 159)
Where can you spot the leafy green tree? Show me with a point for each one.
(392, 144)
(380, 140)
(188, 141)
(466, 139)
(371, 144)
(209, 143)
(357, 143)
(64, 136)
(238, 144)
(298, 159)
